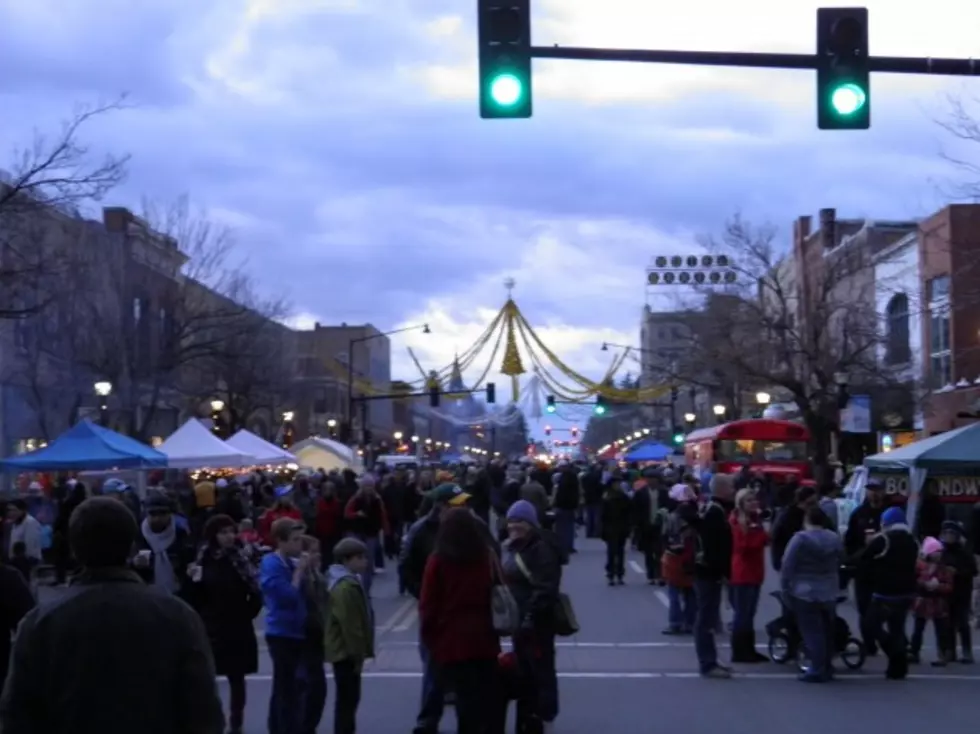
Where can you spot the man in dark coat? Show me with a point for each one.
(124, 657)
(16, 600)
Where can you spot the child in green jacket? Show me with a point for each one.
(349, 633)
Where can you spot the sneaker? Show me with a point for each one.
(717, 671)
(673, 632)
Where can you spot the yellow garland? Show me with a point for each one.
(512, 365)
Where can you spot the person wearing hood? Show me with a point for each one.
(532, 565)
(957, 556)
(809, 582)
(889, 563)
(349, 634)
(712, 567)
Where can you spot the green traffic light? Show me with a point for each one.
(848, 99)
(551, 408)
(678, 438)
(600, 410)
(506, 90)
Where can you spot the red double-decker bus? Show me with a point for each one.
(775, 448)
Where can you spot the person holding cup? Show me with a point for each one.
(224, 590)
(164, 550)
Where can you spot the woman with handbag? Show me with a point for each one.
(532, 562)
(456, 619)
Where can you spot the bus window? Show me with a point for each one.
(756, 451)
(734, 451)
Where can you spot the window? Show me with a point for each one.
(897, 349)
(940, 339)
(748, 450)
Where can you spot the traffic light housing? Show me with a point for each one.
(434, 396)
(600, 405)
(678, 436)
(550, 404)
(491, 393)
(843, 75)
(574, 431)
(504, 40)
(547, 430)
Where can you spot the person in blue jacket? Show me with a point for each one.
(281, 579)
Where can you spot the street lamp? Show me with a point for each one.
(217, 406)
(690, 417)
(332, 426)
(103, 388)
(287, 416)
(350, 364)
(763, 398)
(398, 435)
(428, 442)
(415, 439)
(718, 410)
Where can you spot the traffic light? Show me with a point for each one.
(843, 77)
(434, 396)
(491, 393)
(574, 431)
(600, 405)
(547, 430)
(550, 404)
(673, 394)
(504, 38)
(678, 436)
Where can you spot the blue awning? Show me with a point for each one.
(88, 447)
(648, 452)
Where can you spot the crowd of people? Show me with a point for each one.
(164, 587)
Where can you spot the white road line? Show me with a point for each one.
(857, 677)
(635, 565)
(396, 618)
(408, 621)
(664, 599)
(624, 645)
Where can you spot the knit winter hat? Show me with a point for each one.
(523, 511)
(892, 516)
(931, 545)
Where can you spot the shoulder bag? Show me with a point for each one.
(563, 613)
(504, 609)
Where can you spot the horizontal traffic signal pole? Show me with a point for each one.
(752, 60)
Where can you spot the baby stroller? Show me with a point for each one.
(786, 642)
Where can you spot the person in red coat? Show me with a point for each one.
(329, 522)
(455, 620)
(749, 541)
(283, 507)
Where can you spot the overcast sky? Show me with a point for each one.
(340, 139)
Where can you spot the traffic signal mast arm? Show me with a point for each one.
(746, 59)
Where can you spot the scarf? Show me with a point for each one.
(238, 556)
(164, 575)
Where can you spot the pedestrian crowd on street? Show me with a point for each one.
(164, 587)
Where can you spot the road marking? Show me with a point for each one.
(635, 565)
(408, 621)
(396, 618)
(625, 645)
(662, 596)
(686, 675)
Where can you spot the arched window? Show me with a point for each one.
(897, 348)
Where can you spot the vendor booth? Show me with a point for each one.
(87, 447)
(948, 462)
(194, 446)
(323, 453)
(264, 452)
(648, 451)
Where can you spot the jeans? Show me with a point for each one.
(347, 681)
(941, 629)
(565, 529)
(887, 618)
(862, 598)
(285, 701)
(815, 621)
(745, 601)
(314, 693)
(433, 695)
(682, 608)
(616, 558)
(708, 594)
(593, 520)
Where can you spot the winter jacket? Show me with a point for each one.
(964, 566)
(329, 517)
(748, 552)
(713, 559)
(419, 543)
(536, 596)
(680, 546)
(617, 514)
(349, 629)
(454, 610)
(269, 517)
(888, 562)
(932, 603)
(285, 603)
(373, 521)
(811, 566)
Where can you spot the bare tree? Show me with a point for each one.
(171, 296)
(794, 330)
(56, 174)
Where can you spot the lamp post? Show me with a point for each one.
(690, 417)
(719, 411)
(103, 388)
(216, 407)
(287, 428)
(332, 427)
(350, 368)
(763, 398)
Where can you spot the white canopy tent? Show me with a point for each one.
(317, 452)
(193, 446)
(263, 451)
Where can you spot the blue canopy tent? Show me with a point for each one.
(648, 452)
(88, 447)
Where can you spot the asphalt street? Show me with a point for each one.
(621, 669)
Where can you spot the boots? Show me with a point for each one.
(751, 651)
(743, 648)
